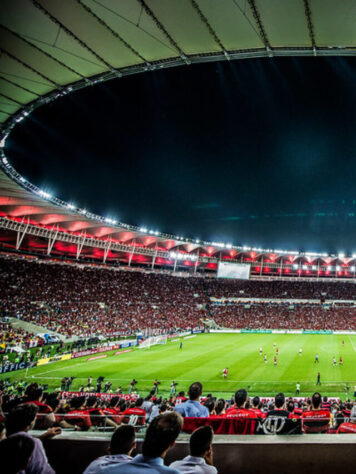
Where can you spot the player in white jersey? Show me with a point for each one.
(265, 358)
(261, 350)
(300, 351)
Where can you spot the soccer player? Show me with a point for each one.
(225, 372)
(261, 350)
(274, 345)
(173, 388)
(300, 351)
(181, 345)
(343, 343)
(265, 358)
(275, 360)
(297, 388)
(318, 379)
(340, 361)
(277, 351)
(316, 360)
(334, 362)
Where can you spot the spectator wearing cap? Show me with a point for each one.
(192, 407)
(349, 426)
(121, 446)
(159, 439)
(200, 459)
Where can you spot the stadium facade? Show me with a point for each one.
(50, 49)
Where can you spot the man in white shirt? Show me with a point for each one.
(201, 453)
(121, 446)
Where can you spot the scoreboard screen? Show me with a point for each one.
(239, 271)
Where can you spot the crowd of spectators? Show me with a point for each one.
(284, 316)
(11, 336)
(78, 300)
(321, 290)
(163, 419)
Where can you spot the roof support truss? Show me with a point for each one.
(74, 36)
(21, 233)
(159, 25)
(261, 29)
(308, 15)
(51, 239)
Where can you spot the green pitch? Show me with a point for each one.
(203, 357)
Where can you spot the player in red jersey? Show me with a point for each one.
(277, 351)
(275, 360)
(343, 343)
(340, 361)
(317, 419)
(224, 372)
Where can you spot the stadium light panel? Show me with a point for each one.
(341, 255)
(352, 268)
(142, 229)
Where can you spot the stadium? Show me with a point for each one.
(113, 330)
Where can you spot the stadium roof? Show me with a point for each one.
(47, 45)
(50, 48)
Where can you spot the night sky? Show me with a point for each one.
(251, 152)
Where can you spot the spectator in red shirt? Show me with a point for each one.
(78, 416)
(45, 417)
(135, 415)
(97, 416)
(317, 419)
(113, 410)
(349, 426)
(256, 403)
(239, 410)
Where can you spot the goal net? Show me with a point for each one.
(152, 341)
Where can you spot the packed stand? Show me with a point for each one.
(77, 300)
(277, 316)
